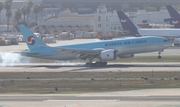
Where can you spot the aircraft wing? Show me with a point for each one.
(79, 51)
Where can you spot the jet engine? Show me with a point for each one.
(177, 41)
(108, 55)
(126, 56)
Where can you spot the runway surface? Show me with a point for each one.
(138, 98)
(111, 67)
(89, 98)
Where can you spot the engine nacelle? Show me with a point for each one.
(126, 56)
(177, 41)
(108, 55)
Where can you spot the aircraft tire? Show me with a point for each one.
(91, 64)
(101, 63)
(159, 57)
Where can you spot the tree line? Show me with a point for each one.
(22, 12)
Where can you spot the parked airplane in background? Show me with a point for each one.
(175, 16)
(172, 12)
(127, 24)
(105, 50)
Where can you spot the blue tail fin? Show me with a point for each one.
(32, 41)
(127, 23)
(172, 12)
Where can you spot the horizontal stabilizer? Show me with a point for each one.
(26, 52)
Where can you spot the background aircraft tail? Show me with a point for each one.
(32, 41)
(172, 12)
(175, 16)
(127, 24)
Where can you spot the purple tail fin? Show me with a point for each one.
(127, 23)
(172, 12)
(175, 16)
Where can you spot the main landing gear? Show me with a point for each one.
(96, 64)
(159, 54)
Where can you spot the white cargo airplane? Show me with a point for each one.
(127, 24)
(105, 50)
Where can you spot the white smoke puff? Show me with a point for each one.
(97, 40)
(63, 62)
(68, 62)
(9, 59)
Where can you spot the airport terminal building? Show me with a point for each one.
(102, 19)
(111, 4)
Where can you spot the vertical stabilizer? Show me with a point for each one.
(127, 24)
(32, 41)
(172, 12)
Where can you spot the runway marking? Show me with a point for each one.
(79, 100)
(116, 95)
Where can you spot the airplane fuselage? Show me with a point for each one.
(168, 33)
(123, 46)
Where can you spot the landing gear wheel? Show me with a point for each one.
(91, 64)
(159, 57)
(101, 63)
(96, 64)
(104, 63)
(159, 54)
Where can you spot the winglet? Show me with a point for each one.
(32, 41)
(127, 24)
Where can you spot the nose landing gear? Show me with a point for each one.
(159, 57)
(159, 54)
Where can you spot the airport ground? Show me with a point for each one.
(71, 84)
(137, 98)
(84, 82)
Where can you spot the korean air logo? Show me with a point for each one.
(31, 40)
(125, 20)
